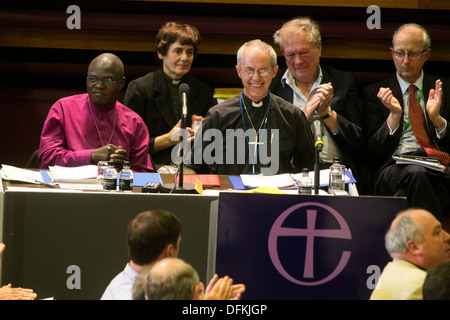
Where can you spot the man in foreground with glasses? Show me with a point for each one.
(255, 131)
(392, 129)
(86, 128)
(316, 87)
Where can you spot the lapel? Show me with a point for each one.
(428, 84)
(163, 101)
(282, 90)
(326, 77)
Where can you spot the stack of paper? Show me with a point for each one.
(427, 162)
(280, 181)
(11, 173)
(82, 174)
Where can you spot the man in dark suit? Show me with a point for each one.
(387, 116)
(155, 96)
(314, 87)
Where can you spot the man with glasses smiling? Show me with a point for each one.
(276, 124)
(86, 128)
(389, 117)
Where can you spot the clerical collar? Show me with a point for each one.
(97, 109)
(263, 102)
(169, 80)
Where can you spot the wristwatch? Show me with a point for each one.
(329, 114)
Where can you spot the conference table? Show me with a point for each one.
(71, 244)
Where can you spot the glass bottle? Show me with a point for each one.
(126, 177)
(336, 177)
(110, 177)
(305, 182)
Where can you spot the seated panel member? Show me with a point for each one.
(156, 98)
(306, 79)
(255, 131)
(86, 128)
(391, 128)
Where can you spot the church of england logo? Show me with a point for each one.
(292, 240)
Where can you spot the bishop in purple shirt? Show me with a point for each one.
(86, 128)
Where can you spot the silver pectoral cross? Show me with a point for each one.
(256, 144)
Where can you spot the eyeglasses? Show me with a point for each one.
(262, 72)
(411, 54)
(107, 82)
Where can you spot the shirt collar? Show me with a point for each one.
(405, 85)
(288, 79)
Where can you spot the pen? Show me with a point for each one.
(50, 185)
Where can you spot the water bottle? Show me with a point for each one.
(102, 166)
(305, 182)
(126, 177)
(110, 177)
(337, 177)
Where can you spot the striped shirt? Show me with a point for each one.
(120, 287)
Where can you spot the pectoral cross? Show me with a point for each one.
(255, 153)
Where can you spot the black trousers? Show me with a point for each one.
(423, 188)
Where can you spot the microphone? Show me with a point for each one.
(318, 131)
(181, 187)
(184, 90)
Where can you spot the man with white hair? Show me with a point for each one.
(416, 242)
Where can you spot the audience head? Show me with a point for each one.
(411, 48)
(417, 236)
(169, 279)
(301, 44)
(152, 235)
(176, 45)
(105, 79)
(256, 66)
(437, 283)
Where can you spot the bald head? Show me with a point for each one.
(108, 61)
(171, 279)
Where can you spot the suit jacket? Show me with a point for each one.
(344, 102)
(149, 97)
(380, 145)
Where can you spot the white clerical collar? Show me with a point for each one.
(405, 85)
(257, 105)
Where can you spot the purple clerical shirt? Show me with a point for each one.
(70, 134)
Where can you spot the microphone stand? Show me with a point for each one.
(318, 146)
(181, 187)
(316, 167)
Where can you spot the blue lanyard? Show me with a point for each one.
(257, 133)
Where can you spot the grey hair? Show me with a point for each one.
(404, 230)
(259, 44)
(293, 26)
(426, 36)
(177, 284)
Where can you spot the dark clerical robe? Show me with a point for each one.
(227, 144)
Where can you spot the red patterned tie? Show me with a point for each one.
(419, 128)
